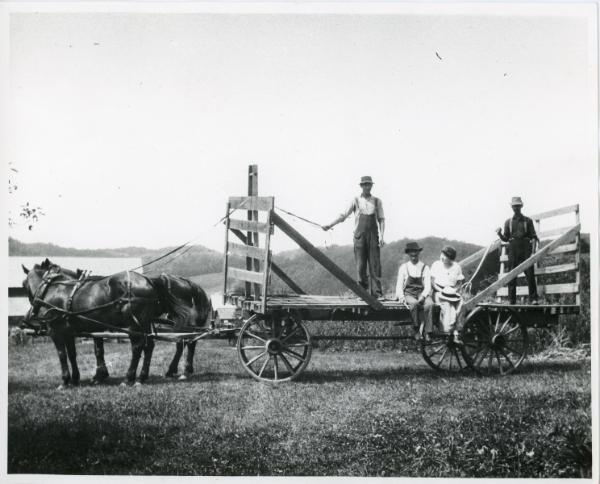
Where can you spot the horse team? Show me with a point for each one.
(68, 303)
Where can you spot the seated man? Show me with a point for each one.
(413, 288)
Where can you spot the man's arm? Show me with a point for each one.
(381, 220)
(506, 236)
(531, 230)
(426, 283)
(341, 217)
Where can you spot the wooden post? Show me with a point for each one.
(577, 257)
(266, 264)
(226, 253)
(326, 262)
(252, 237)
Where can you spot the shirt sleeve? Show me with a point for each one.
(400, 282)
(380, 214)
(426, 282)
(346, 213)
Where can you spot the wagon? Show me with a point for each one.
(274, 343)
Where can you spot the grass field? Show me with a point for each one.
(369, 413)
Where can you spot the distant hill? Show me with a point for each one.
(190, 261)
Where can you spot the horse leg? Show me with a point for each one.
(189, 361)
(72, 354)
(175, 361)
(148, 349)
(101, 371)
(59, 342)
(137, 344)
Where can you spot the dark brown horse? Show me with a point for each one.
(128, 301)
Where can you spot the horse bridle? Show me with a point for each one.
(38, 296)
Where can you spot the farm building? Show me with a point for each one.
(18, 304)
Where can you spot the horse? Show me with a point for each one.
(128, 301)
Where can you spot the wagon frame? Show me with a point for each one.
(274, 344)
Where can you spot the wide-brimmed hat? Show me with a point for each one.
(516, 201)
(365, 179)
(449, 252)
(449, 294)
(412, 247)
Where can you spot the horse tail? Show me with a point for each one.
(202, 302)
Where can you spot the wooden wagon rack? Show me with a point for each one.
(274, 321)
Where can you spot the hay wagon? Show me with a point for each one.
(274, 344)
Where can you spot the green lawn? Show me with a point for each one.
(368, 413)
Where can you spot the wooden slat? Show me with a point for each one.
(226, 258)
(567, 288)
(564, 249)
(555, 212)
(17, 292)
(249, 225)
(326, 262)
(244, 275)
(572, 266)
(552, 232)
(247, 251)
(504, 258)
(252, 203)
(275, 268)
(509, 276)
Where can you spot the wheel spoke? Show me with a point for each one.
(294, 354)
(275, 367)
(252, 335)
(291, 334)
(287, 363)
(440, 348)
(507, 358)
(512, 330)
(482, 355)
(512, 350)
(297, 345)
(451, 359)
(499, 362)
(505, 323)
(497, 323)
(443, 356)
(249, 362)
(490, 359)
(457, 354)
(262, 368)
(253, 347)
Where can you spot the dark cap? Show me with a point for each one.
(412, 247)
(365, 179)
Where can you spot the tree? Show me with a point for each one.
(27, 214)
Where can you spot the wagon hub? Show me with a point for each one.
(274, 346)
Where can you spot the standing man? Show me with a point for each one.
(520, 234)
(369, 227)
(414, 288)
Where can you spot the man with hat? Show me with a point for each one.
(369, 227)
(519, 232)
(413, 287)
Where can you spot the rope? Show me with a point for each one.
(467, 285)
(304, 220)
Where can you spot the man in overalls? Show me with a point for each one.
(519, 232)
(413, 287)
(369, 227)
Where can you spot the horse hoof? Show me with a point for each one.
(138, 384)
(182, 377)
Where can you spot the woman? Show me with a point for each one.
(446, 277)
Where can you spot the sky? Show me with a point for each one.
(134, 128)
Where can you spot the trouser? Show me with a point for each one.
(519, 250)
(420, 313)
(366, 252)
(448, 313)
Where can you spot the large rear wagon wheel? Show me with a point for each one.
(495, 341)
(443, 354)
(274, 349)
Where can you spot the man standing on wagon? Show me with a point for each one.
(369, 227)
(520, 234)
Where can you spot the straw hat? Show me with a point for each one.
(449, 294)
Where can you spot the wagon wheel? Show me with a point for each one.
(496, 342)
(274, 349)
(443, 354)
